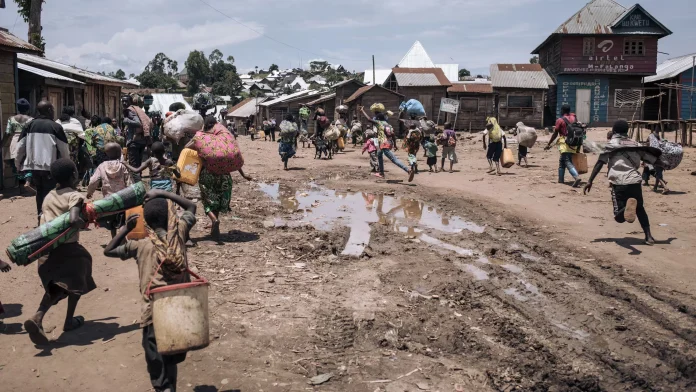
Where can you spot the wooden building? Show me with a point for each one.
(10, 46)
(599, 58)
(427, 85)
(278, 108)
(521, 91)
(676, 79)
(368, 95)
(476, 104)
(98, 94)
(346, 89)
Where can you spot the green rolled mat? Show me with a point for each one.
(22, 247)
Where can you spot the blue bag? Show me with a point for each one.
(413, 107)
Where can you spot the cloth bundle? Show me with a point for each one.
(219, 150)
(182, 123)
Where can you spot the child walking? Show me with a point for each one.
(412, 144)
(431, 152)
(161, 262)
(161, 169)
(67, 271)
(113, 176)
(371, 146)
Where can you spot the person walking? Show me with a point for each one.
(624, 156)
(566, 159)
(496, 143)
(10, 140)
(658, 171)
(387, 141)
(42, 142)
(449, 145)
(138, 130)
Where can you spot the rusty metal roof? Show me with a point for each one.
(363, 90)
(9, 40)
(471, 87)
(520, 76)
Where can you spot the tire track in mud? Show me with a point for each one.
(518, 327)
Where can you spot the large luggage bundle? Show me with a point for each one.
(332, 133)
(219, 151)
(526, 136)
(672, 155)
(413, 107)
(182, 123)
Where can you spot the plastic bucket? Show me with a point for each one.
(180, 316)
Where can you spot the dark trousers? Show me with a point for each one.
(135, 157)
(162, 368)
(271, 134)
(620, 195)
(658, 172)
(44, 184)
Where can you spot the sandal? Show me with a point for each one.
(75, 323)
(36, 333)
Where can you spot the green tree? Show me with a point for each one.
(273, 67)
(158, 73)
(318, 65)
(464, 73)
(33, 19)
(198, 70)
(120, 74)
(534, 60)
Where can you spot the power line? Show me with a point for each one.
(271, 38)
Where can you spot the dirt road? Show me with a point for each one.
(465, 282)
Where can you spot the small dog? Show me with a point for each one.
(321, 147)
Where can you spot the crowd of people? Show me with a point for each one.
(52, 157)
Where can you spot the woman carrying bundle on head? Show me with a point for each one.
(288, 139)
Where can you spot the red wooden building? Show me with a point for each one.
(598, 59)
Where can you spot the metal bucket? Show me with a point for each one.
(180, 316)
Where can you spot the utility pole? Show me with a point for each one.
(374, 76)
(35, 23)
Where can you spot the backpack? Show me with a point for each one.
(323, 121)
(576, 133)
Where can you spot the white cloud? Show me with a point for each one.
(131, 49)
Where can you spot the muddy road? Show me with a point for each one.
(380, 286)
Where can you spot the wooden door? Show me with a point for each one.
(583, 109)
(427, 101)
(55, 96)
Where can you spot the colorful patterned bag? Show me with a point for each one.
(219, 150)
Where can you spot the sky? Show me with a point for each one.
(105, 35)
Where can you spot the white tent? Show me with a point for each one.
(161, 102)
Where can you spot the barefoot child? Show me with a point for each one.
(161, 169)
(161, 262)
(113, 176)
(431, 152)
(449, 145)
(412, 144)
(624, 156)
(67, 271)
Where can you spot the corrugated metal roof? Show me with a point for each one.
(672, 68)
(247, 109)
(363, 90)
(436, 72)
(381, 74)
(596, 17)
(339, 84)
(450, 70)
(287, 97)
(519, 76)
(417, 80)
(321, 99)
(471, 87)
(416, 57)
(10, 40)
(45, 74)
(44, 62)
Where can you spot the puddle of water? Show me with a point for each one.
(477, 272)
(434, 241)
(324, 208)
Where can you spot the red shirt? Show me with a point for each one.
(561, 124)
